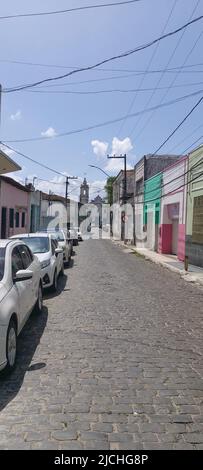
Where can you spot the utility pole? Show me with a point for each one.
(124, 157)
(66, 195)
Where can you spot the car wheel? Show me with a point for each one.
(11, 347)
(39, 304)
(55, 282)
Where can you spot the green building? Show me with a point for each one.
(152, 208)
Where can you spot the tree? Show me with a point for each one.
(109, 189)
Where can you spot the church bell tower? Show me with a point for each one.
(84, 192)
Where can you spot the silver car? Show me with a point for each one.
(20, 292)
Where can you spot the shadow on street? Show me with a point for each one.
(28, 341)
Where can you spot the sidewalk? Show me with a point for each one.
(194, 273)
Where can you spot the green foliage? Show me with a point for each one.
(109, 189)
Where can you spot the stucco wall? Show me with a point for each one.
(174, 192)
(194, 251)
(17, 199)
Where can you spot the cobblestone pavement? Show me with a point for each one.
(114, 362)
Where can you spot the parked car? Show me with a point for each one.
(74, 235)
(79, 234)
(64, 242)
(20, 292)
(45, 247)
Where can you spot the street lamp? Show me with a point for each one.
(98, 168)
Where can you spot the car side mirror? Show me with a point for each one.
(22, 275)
(57, 251)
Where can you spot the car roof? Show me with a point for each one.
(31, 235)
(4, 243)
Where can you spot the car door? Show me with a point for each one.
(20, 287)
(28, 264)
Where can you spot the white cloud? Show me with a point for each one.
(121, 146)
(50, 132)
(114, 165)
(17, 116)
(118, 147)
(99, 148)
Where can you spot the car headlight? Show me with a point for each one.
(45, 263)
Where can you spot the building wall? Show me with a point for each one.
(18, 200)
(173, 208)
(35, 209)
(194, 248)
(152, 203)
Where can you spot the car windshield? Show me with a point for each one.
(2, 262)
(57, 234)
(37, 244)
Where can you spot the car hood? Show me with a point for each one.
(42, 256)
(3, 290)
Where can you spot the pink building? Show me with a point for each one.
(173, 210)
(14, 207)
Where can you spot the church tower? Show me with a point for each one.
(84, 192)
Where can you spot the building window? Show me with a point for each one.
(11, 218)
(23, 220)
(17, 219)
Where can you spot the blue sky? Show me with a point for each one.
(84, 38)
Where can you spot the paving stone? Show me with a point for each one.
(110, 356)
(64, 435)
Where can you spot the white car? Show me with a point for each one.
(79, 233)
(20, 292)
(64, 243)
(45, 247)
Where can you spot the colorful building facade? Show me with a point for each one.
(152, 209)
(173, 210)
(194, 225)
(14, 207)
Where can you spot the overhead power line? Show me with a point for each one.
(106, 123)
(179, 125)
(32, 160)
(172, 54)
(172, 191)
(196, 165)
(114, 90)
(163, 74)
(193, 144)
(68, 10)
(57, 66)
(185, 138)
(148, 66)
(105, 61)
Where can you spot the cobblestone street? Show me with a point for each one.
(114, 361)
